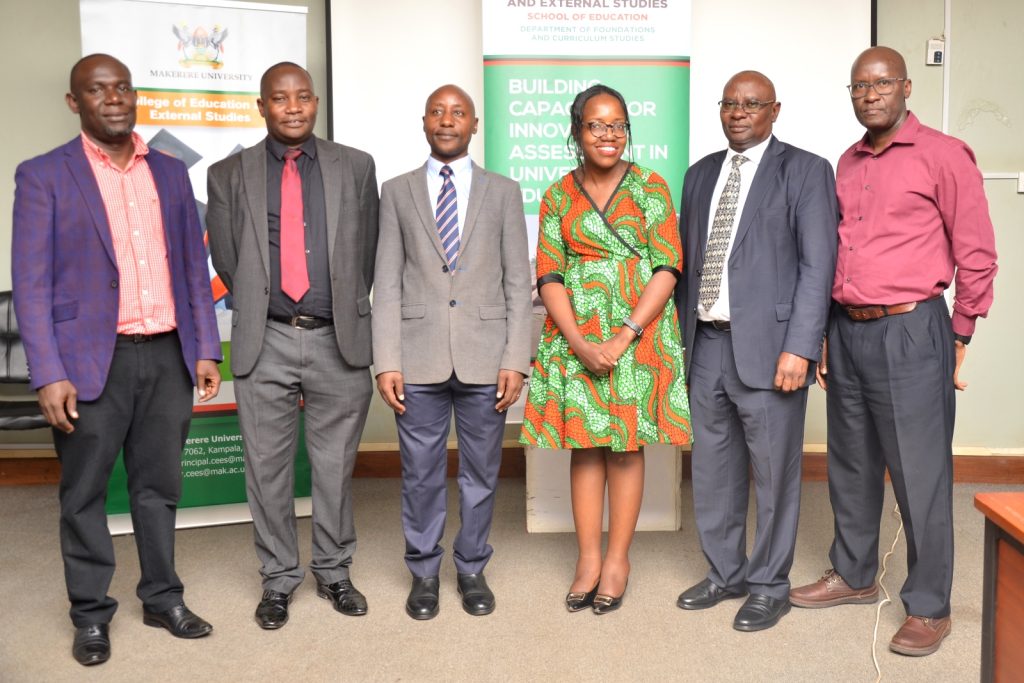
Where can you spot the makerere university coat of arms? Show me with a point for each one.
(199, 46)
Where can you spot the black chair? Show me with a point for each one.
(14, 370)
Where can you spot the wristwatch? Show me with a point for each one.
(637, 330)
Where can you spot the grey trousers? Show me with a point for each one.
(423, 438)
(301, 364)
(736, 429)
(891, 405)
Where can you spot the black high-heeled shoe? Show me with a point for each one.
(575, 602)
(603, 604)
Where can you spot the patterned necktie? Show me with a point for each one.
(718, 240)
(447, 218)
(294, 276)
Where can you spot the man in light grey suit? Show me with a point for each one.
(451, 329)
(293, 234)
(759, 228)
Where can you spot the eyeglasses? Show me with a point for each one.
(750, 106)
(599, 128)
(883, 86)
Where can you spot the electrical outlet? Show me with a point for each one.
(935, 52)
(1020, 183)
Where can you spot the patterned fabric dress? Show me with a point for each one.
(643, 399)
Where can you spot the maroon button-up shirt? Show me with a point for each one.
(911, 214)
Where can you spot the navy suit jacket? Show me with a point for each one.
(65, 271)
(782, 261)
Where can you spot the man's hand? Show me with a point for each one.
(790, 372)
(822, 371)
(510, 385)
(59, 401)
(392, 390)
(961, 353)
(595, 357)
(207, 379)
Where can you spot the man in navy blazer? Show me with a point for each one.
(759, 229)
(112, 295)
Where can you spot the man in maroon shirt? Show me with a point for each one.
(914, 214)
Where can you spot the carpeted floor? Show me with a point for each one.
(530, 637)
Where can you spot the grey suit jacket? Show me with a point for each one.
(236, 221)
(428, 323)
(782, 261)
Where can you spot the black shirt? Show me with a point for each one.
(317, 301)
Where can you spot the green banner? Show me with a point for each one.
(527, 122)
(212, 466)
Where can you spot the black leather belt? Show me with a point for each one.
(143, 338)
(720, 325)
(303, 322)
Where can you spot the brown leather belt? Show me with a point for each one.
(862, 313)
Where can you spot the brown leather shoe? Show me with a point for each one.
(920, 636)
(831, 590)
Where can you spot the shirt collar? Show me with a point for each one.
(460, 165)
(905, 135)
(96, 152)
(753, 155)
(278, 149)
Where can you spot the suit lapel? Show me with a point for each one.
(704, 193)
(477, 196)
(763, 179)
(335, 174)
(254, 179)
(78, 165)
(425, 208)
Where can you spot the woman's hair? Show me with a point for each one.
(576, 118)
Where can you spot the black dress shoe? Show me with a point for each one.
(92, 644)
(603, 604)
(760, 612)
(575, 602)
(272, 612)
(180, 621)
(345, 597)
(423, 597)
(477, 598)
(706, 594)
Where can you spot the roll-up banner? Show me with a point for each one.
(196, 67)
(538, 54)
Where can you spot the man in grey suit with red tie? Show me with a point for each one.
(112, 294)
(293, 232)
(759, 228)
(451, 330)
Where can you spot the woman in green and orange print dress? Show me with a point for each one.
(608, 378)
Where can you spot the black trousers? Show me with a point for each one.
(891, 405)
(145, 408)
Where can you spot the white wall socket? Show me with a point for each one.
(1020, 182)
(935, 52)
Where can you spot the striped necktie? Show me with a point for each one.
(447, 217)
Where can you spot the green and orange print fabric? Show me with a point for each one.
(643, 399)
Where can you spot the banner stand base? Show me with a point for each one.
(210, 515)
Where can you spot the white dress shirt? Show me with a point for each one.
(720, 309)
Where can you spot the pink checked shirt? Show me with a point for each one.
(146, 304)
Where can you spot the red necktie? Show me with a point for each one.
(294, 276)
